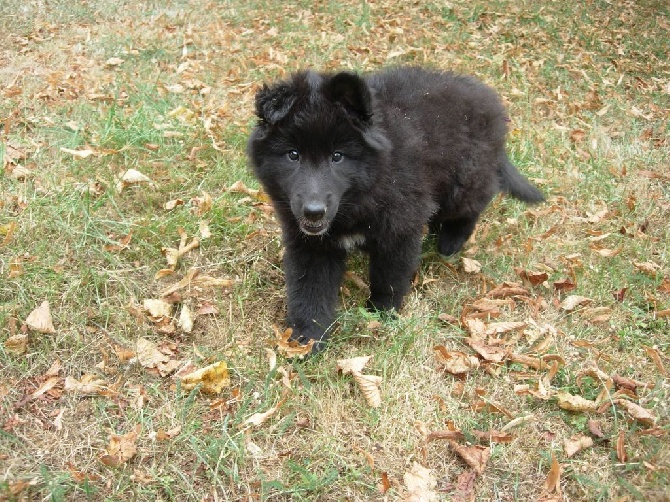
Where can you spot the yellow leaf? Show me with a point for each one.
(213, 378)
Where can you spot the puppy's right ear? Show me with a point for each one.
(274, 103)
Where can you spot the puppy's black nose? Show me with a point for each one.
(314, 211)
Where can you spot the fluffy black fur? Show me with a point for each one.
(366, 162)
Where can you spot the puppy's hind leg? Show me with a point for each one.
(454, 233)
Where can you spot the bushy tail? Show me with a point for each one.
(514, 183)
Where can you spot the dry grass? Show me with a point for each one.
(587, 87)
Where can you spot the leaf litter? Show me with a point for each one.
(513, 352)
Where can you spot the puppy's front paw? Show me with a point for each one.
(300, 341)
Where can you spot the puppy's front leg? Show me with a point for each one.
(313, 278)
(392, 265)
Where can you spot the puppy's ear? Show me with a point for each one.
(274, 103)
(351, 91)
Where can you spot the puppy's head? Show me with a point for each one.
(315, 145)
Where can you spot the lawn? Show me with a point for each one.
(136, 248)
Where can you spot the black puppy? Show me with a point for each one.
(365, 162)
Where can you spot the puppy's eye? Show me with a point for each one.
(293, 156)
(337, 157)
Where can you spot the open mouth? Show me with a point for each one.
(313, 227)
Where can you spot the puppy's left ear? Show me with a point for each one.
(350, 91)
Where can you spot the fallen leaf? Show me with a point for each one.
(420, 484)
(453, 435)
(499, 328)
(203, 228)
(471, 266)
(240, 187)
(385, 484)
(369, 384)
(291, 348)
(652, 352)
(571, 402)
(157, 309)
(455, 362)
(132, 177)
(475, 456)
(490, 353)
(564, 285)
(213, 378)
(114, 61)
(148, 354)
(171, 204)
(465, 487)
(80, 154)
(553, 482)
(621, 447)
(88, 384)
(594, 428)
(260, 418)
(17, 344)
(640, 414)
(517, 421)
(40, 319)
(185, 321)
(649, 268)
(201, 205)
(121, 448)
(576, 444)
(573, 301)
(532, 277)
(507, 289)
(493, 436)
(162, 435)
(7, 231)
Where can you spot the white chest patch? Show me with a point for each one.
(351, 241)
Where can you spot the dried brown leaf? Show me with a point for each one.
(40, 319)
(621, 447)
(121, 448)
(576, 444)
(471, 266)
(420, 484)
(490, 353)
(17, 344)
(571, 402)
(260, 418)
(454, 362)
(475, 456)
(289, 347)
(369, 385)
(637, 412)
(553, 482)
(573, 301)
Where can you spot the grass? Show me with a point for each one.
(587, 88)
